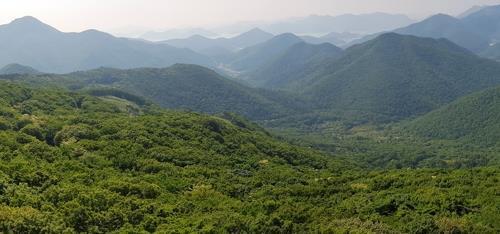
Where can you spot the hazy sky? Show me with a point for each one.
(77, 15)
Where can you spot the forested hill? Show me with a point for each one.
(180, 86)
(15, 68)
(73, 163)
(399, 76)
(474, 119)
(297, 61)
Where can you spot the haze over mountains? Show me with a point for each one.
(209, 46)
(30, 42)
(177, 33)
(315, 29)
(316, 25)
(323, 24)
(370, 78)
(477, 30)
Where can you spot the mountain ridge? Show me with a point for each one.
(54, 51)
(399, 76)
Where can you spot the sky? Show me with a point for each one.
(122, 15)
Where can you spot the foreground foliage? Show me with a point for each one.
(76, 163)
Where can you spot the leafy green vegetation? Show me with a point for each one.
(473, 119)
(70, 162)
(396, 77)
(257, 56)
(181, 86)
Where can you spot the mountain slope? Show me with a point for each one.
(444, 26)
(254, 57)
(337, 39)
(470, 11)
(320, 40)
(30, 42)
(476, 31)
(15, 68)
(321, 24)
(76, 163)
(399, 76)
(474, 118)
(296, 62)
(66, 148)
(180, 86)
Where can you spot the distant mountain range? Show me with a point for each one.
(470, 11)
(478, 30)
(338, 39)
(177, 33)
(30, 42)
(323, 24)
(220, 48)
(216, 46)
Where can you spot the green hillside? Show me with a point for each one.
(399, 76)
(296, 62)
(74, 163)
(188, 87)
(254, 57)
(474, 118)
(15, 68)
(456, 30)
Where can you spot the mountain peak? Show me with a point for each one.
(15, 68)
(287, 36)
(256, 32)
(27, 20)
(30, 23)
(441, 16)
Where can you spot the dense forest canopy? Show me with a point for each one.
(78, 163)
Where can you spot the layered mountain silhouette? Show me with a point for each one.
(181, 86)
(293, 64)
(338, 39)
(210, 46)
(323, 24)
(176, 33)
(30, 42)
(475, 31)
(256, 56)
(398, 76)
(470, 11)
